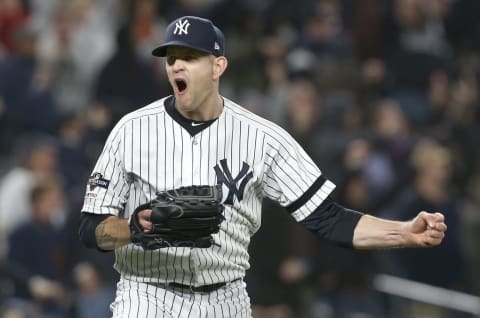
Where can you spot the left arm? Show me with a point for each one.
(425, 230)
(288, 163)
(348, 228)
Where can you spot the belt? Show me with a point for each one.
(196, 289)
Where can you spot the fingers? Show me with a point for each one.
(440, 217)
(435, 234)
(144, 219)
(442, 227)
(433, 241)
(434, 220)
(430, 238)
(434, 228)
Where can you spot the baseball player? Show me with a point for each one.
(178, 187)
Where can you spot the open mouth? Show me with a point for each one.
(181, 85)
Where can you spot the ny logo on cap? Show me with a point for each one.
(181, 27)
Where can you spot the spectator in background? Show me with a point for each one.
(430, 189)
(92, 298)
(343, 288)
(81, 138)
(392, 142)
(26, 91)
(75, 44)
(38, 160)
(366, 28)
(323, 31)
(18, 285)
(13, 15)
(37, 245)
(126, 80)
(323, 35)
(304, 113)
(416, 46)
(147, 27)
(391, 130)
(42, 12)
(460, 125)
(274, 49)
(74, 164)
(277, 285)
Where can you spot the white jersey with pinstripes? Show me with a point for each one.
(149, 151)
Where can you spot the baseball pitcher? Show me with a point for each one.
(177, 191)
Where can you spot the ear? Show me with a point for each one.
(220, 64)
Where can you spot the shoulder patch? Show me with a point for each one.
(97, 180)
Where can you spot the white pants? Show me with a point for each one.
(142, 300)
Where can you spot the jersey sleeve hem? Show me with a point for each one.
(97, 210)
(309, 205)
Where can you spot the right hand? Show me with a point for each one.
(144, 219)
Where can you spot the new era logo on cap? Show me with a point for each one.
(195, 33)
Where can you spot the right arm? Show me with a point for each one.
(114, 232)
(108, 232)
(100, 226)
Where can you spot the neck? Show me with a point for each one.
(209, 109)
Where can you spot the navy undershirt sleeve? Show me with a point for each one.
(86, 230)
(333, 222)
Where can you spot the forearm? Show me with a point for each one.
(112, 233)
(375, 233)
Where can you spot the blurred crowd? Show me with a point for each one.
(383, 94)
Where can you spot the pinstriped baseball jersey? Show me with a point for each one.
(150, 150)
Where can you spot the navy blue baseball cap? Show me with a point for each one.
(195, 33)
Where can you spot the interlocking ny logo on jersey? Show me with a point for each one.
(225, 176)
(181, 27)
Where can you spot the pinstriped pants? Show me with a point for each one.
(141, 300)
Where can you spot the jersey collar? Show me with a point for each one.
(192, 126)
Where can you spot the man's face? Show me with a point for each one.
(190, 72)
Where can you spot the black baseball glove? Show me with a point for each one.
(183, 217)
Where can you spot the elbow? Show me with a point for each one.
(334, 223)
(87, 227)
(86, 232)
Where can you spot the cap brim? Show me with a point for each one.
(161, 51)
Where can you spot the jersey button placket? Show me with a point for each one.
(196, 164)
(195, 141)
(196, 156)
